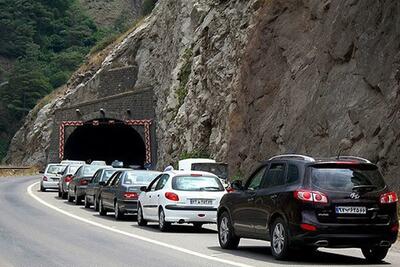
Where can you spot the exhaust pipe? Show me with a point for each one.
(321, 243)
(181, 221)
(384, 243)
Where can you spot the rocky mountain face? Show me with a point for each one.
(107, 13)
(244, 80)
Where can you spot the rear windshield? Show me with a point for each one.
(107, 174)
(73, 168)
(89, 170)
(55, 169)
(347, 179)
(142, 178)
(196, 183)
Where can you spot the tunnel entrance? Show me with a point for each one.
(106, 140)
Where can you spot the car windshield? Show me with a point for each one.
(196, 183)
(89, 170)
(107, 174)
(219, 169)
(346, 179)
(55, 169)
(137, 177)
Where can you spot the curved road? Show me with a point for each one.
(39, 229)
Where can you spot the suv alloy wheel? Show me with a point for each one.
(375, 254)
(117, 212)
(226, 237)
(280, 240)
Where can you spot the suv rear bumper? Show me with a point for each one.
(342, 236)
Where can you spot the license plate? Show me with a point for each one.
(351, 210)
(201, 201)
(55, 179)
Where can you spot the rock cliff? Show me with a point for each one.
(244, 80)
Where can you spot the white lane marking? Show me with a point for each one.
(187, 251)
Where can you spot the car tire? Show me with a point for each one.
(95, 204)
(140, 219)
(77, 199)
(162, 224)
(280, 240)
(64, 195)
(117, 212)
(374, 254)
(70, 198)
(42, 188)
(226, 235)
(59, 193)
(87, 204)
(102, 210)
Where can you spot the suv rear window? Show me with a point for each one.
(55, 169)
(345, 178)
(191, 183)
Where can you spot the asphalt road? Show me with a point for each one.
(39, 229)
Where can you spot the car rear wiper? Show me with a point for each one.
(364, 187)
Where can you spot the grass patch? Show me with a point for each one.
(183, 76)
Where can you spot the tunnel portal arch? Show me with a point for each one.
(107, 139)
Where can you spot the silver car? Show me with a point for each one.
(51, 176)
(66, 178)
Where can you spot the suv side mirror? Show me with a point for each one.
(143, 188)
(237, 185)
(102, 183)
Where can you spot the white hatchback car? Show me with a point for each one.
(180, 197)
(51, 176)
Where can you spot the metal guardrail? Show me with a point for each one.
(15, 167)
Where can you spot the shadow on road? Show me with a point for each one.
(179, 229)
(317, 258)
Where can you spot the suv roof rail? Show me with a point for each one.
(354, 158)
(306, 158)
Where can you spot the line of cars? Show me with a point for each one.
(296, 202)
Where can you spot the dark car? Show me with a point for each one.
(120, 194)
(66, 177)
(298, 202)
(93, 188)
(77, 186)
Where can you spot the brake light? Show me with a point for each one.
(83, 182)
(308, 227)
(388, 198)
(130, 195)
(196, 174)
(172, 196)
(311, 196)
(68, 178)
(45, 178)
(395, 227)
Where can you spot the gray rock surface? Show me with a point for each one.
(244, 80)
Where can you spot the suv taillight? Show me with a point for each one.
(45, 178)
(310, 196)
(172, 196)
(130, 195)
(68, 178)
(387, 198)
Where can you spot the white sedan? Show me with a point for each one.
(180, 197)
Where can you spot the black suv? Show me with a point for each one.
(298, 202)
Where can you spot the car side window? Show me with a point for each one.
(116, 179)
(95, 178)
(256, 179)
(112, 178)
(293, 174)
(153, 184)
(161, 183)
(275, 175)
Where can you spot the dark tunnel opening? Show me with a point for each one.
(106, 141)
